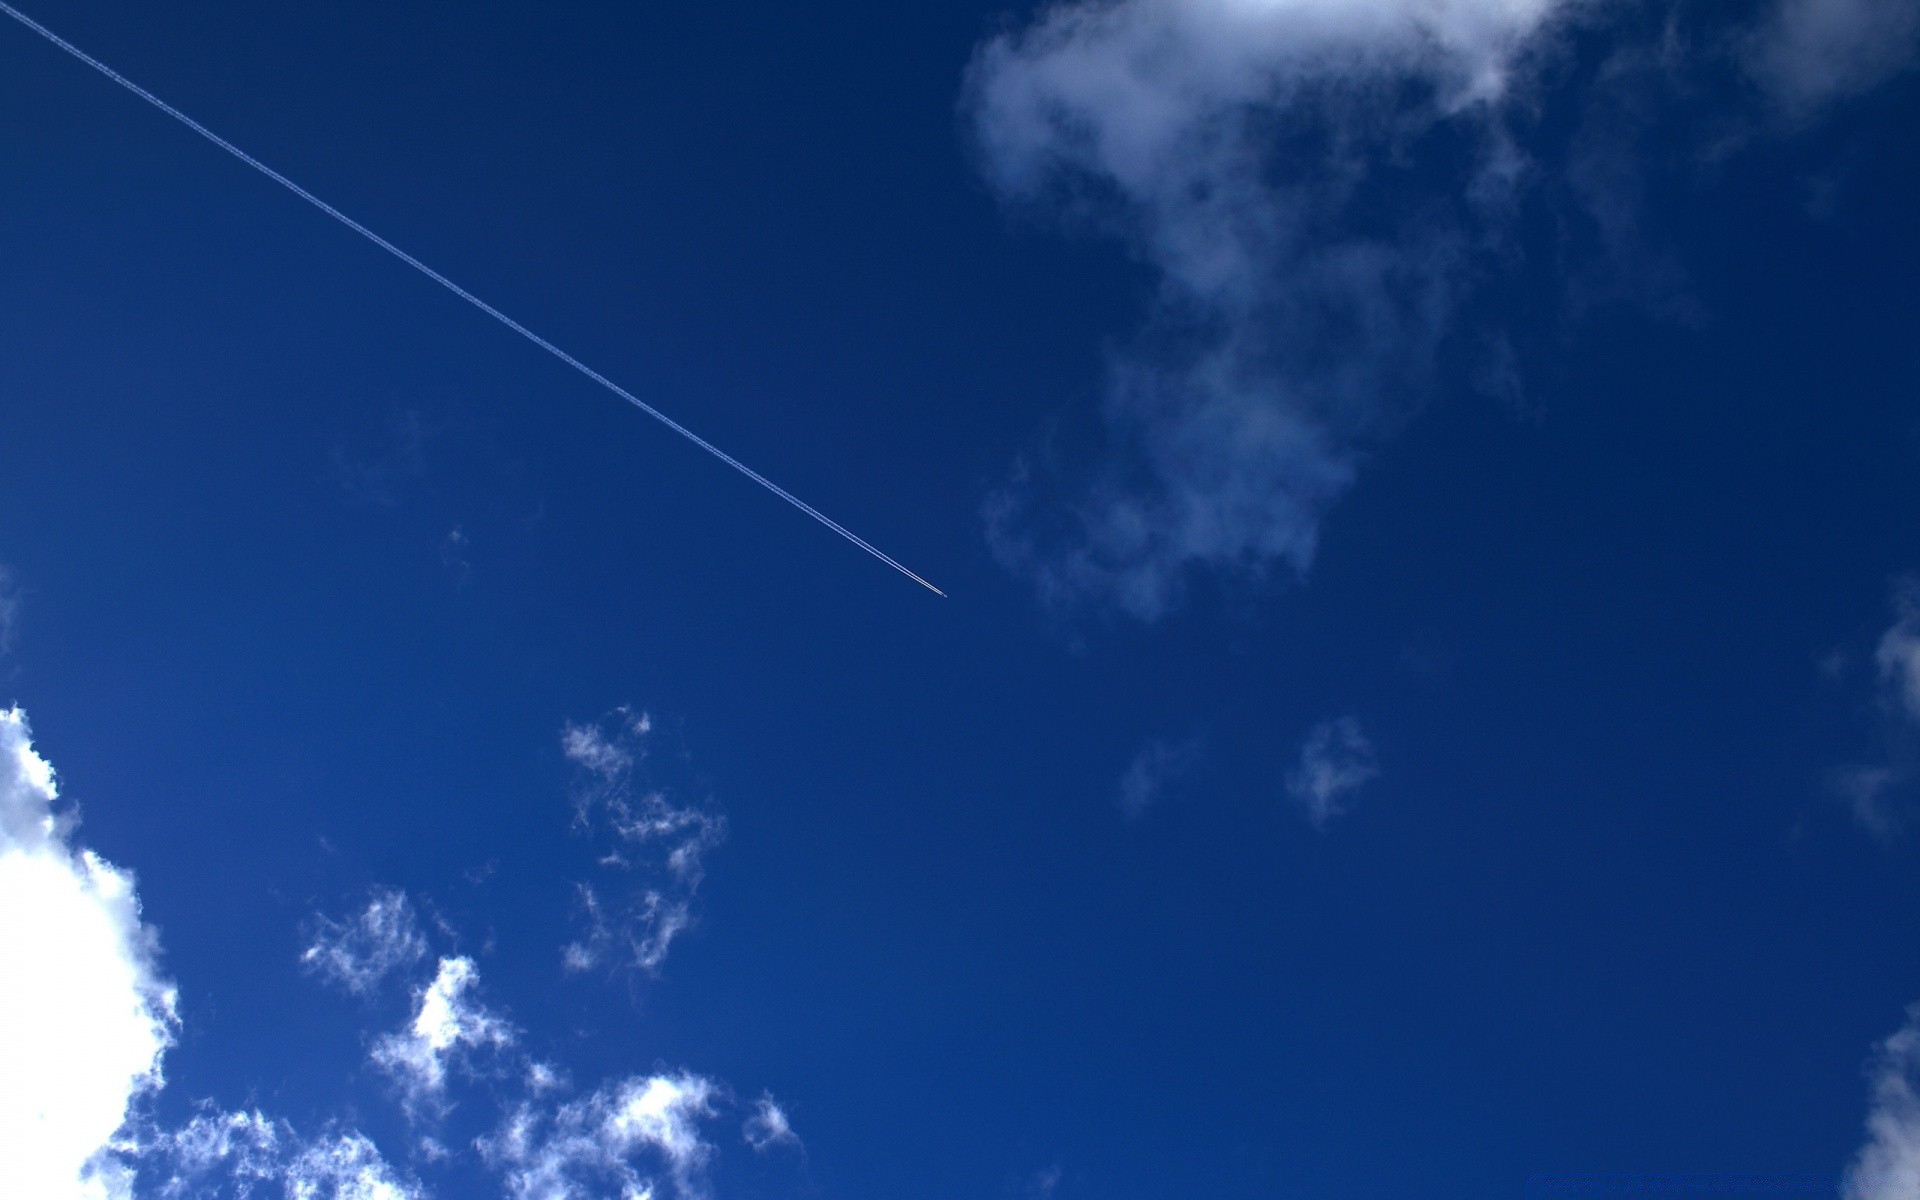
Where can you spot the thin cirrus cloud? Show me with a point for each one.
(362, 952)
(653, 847)
(87, 1039)
(1158, 765)
(1809, 53)
(1336, 761)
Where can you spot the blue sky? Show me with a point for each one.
(1429, 693)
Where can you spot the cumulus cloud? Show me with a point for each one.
(364, 951)
(616, 1136)
(1239, 147)
(1888, 1166)
(1336, 761)
(86, 1014)
(450, 1029)
(1811, 52)
(767, 1126)
(654, 846)
(1158, 764)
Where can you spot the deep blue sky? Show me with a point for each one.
(1600, 910)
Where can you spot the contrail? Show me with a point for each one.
(463, 293)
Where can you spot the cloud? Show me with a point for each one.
(656, 842)
(1809, 53)
(1870, 789)
(1253, 153)
(85, 1017)
(361, 953)
(566, 1153)
(1158, 764)
(9, 609)
(1897, 657)
(1335, 761)
(1888, 1166)
(767, 1126)
(450, 1029)
(250, 1150)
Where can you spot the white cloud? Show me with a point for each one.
(450, 1029)
(566, 1154)
(647, 835)
(1335, 761)
(1158, 764)
(1232, 143)
(249, 1150)
(85, 1017)
(1888, 1166)
(1810, 52)
(767, 1126)
(360, 953)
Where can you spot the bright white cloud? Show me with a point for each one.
(85, 1017)
(1813, 51)
(362, 952)
(1231, 143)
(450, 1029)
(767, 1126)
(617, 1136)
(658, 842)
(1335, 762)
(1888, 1166)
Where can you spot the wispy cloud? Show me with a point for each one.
(1870, 789)
(615, 1136)
(379, 476)
(362, 952)
(767, 1126)
(1336, 761)
(9, 609)
(1888, 1166)
(652, 845)
(1809, 53)
(85, 1017)
(250, 1150)
(451, 1030)
(1254, 156)
(1158, 764)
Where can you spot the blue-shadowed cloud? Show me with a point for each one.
(1336, 761)
(1316, 191)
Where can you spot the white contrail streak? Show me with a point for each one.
(463, 293)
